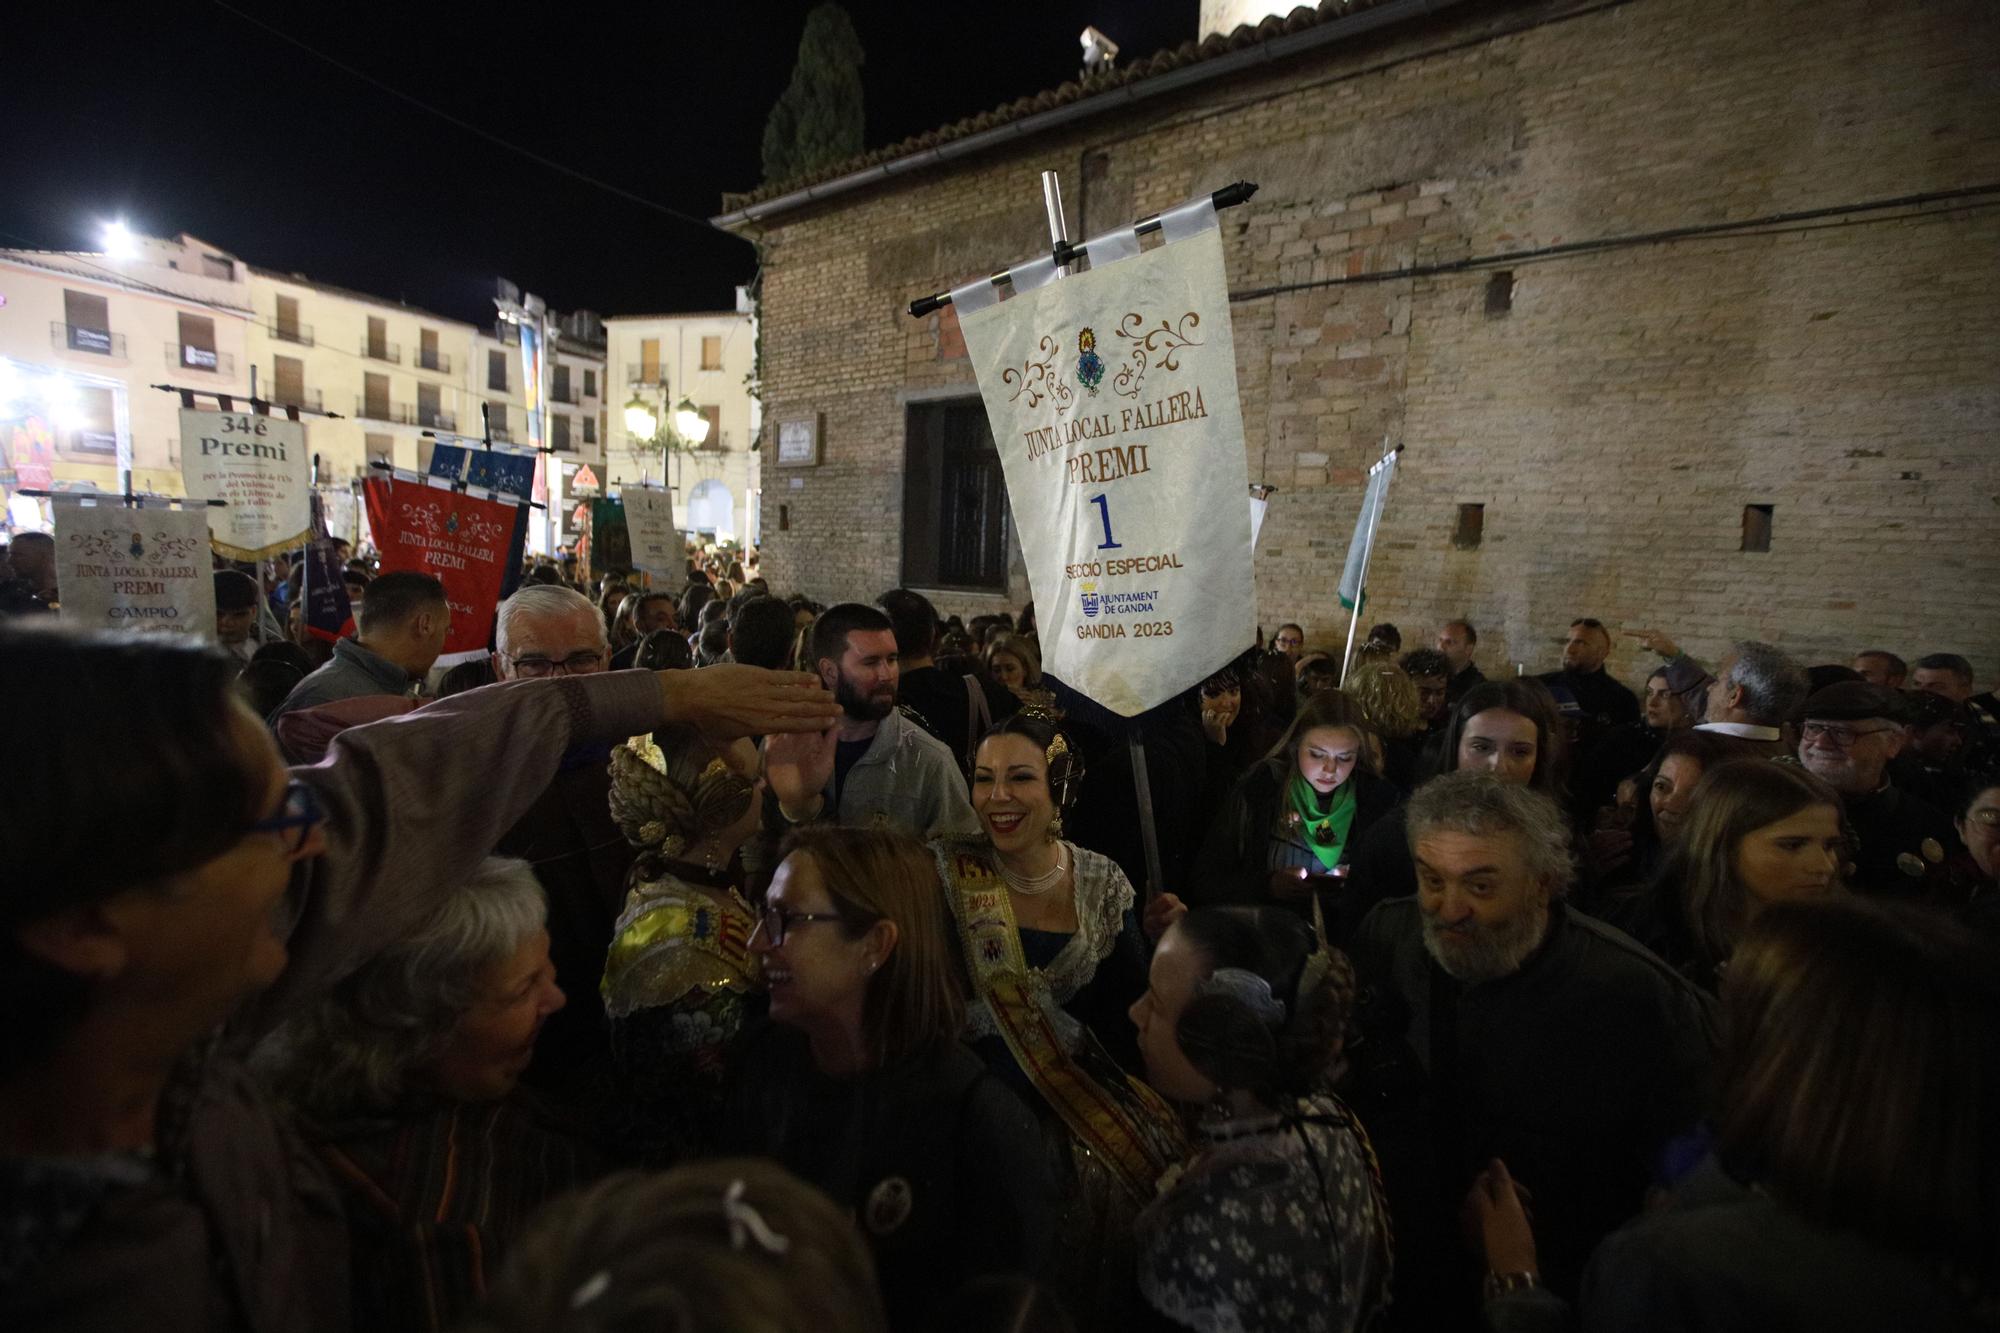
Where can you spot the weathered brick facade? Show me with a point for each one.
(1614, 418)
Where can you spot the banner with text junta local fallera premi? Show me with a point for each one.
(257, 465)
(126, 568)
(1112, 397)
(464, 542)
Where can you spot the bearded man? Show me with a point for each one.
(873, 766)
(1502, 1025)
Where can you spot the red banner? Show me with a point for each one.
(464, 542)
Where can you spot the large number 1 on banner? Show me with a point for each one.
(1104, 516)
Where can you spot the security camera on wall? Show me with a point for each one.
(1099, 52)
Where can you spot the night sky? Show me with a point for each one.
(186, 117)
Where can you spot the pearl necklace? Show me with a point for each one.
(1035, 886)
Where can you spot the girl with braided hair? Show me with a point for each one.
(1277, 1221)
(679, 979)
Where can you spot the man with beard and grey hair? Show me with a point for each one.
(1501, 1025)
(874, 766)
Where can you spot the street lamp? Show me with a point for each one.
(692, 425)
(640, 421)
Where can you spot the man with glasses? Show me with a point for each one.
(1851, 732)
(547, 633)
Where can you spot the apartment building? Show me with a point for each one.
(704, 360)
(83, 337)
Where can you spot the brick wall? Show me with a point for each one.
(1614, 417)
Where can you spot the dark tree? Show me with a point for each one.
(818, 118)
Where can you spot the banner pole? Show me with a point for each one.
(1135, 746)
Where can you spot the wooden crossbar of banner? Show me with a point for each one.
(447, 484)
(226, 402)
(134, 499)
(1066, 252)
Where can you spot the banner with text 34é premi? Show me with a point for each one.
(1112, 397)
(259, 465)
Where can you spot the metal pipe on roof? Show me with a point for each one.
(1200, 71)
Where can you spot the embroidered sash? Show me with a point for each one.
(1128, 1126)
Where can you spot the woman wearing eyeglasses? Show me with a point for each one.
(679, 981)
(1757, 832)
(1978, 876)
(860, 1084)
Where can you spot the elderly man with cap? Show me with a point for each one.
(1851, 732)
(1931, 766)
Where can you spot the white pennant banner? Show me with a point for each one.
(122, 568)
(1112, 398)
(657, 547)
(259, 465)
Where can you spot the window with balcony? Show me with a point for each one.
(648, 369)
(559, 430)
(430, 408)
(711, 352)
(561, 391)
(496, 371)
(712, 414)
(428, 355)
(589, 429)
(197, 344)
(87, 324)
(95, 432)
(496, 420)
(375, 396)
(285, 323)
(589, 382)
(288, 381)
(378, 347)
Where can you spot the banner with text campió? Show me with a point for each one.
(464, 542)
(1112, 397)
(122, 568)
(259, 465)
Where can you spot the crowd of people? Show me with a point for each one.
(711, 959)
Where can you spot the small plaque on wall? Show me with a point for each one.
(798, 442)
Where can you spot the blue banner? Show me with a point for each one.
(490, 469)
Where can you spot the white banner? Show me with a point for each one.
(259, 465)
(120, 568)
(656, 543)
(1112, 397)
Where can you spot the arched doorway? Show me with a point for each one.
(711, 510)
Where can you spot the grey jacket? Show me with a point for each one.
(909, 780)
(354, 671)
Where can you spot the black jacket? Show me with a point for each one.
(1575, 1070)
(1902, 843)
(942, 1165)
(1248, 841)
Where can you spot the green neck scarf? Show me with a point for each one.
(1324, 821)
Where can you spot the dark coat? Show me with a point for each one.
(1248, 841)
(1575, 1070)
(940, 1162)
(1723, 1258)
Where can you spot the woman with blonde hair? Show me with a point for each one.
(1389, 704)
(860, 1084)
(679, 980)
(1013, 660)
